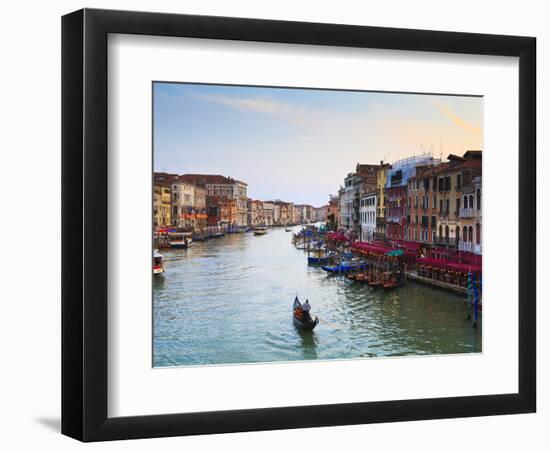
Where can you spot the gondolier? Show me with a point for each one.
(301, 317)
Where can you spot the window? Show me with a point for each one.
(458, 182)
(447, 183)
(447, 206)
(435, 202)
(446, 232)
(478, 199)
(440, 231)
(471, 197)
(457, 233)
(441, 184)
(478, 233)
(440, 206)
(470, 234)
(457, 206)
(433, 222)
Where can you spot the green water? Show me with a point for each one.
(229, 301)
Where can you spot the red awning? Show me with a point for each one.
(365, 247)
(453, 266)
(337, 237)
(469, 258)
(406, 244)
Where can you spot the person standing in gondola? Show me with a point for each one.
(306, 307)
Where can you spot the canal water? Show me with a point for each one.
(229, 301)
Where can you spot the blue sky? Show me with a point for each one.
(299, 144)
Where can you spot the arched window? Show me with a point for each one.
(478, 233)
(440, 231)
(465, 202)
(446, 232)
(464, 234)
(471, 202)
(470, 234)
(457, 233)
(478, 199)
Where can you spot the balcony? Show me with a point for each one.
(469, 247)
(466, 213)
(448, 241)
(394, 219)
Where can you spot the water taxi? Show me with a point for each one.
(181, 240)
(259, 231)
(158, 266)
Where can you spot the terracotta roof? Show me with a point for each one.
(164, 179)
(204, 179)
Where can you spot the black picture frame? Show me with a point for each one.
(84, 224)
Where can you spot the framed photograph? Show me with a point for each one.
(272, 224)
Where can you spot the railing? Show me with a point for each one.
(469, 212)
(394, 219)
(451, 242)
(469, 247)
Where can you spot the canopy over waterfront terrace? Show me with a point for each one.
(339, 237)
(366, 248)
(450, 266)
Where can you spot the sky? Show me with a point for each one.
(298, 144)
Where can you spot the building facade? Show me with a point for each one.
(346, 197)
(456, 229)
(162, 206)
(221, 211)
(381, 178)
(269, 214)
(368, 215)
(255, 213)
(321, 213)
(422, 205)
(396, 196)
(333, 212)
(183, 195)
(223, 187)
(285, 213)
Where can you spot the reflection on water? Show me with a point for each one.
(229, 300)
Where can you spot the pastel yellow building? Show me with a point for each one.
(381, 178)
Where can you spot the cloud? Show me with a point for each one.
(455, 118)
(256, 105)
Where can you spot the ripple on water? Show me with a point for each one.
(229, 300)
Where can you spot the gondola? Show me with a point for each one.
(317, 260)
(309, 324)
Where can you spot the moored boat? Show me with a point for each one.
(301, 317)
(345, 267)
(317, 260)
(158, 265)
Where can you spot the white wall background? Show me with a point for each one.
(30, 221)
